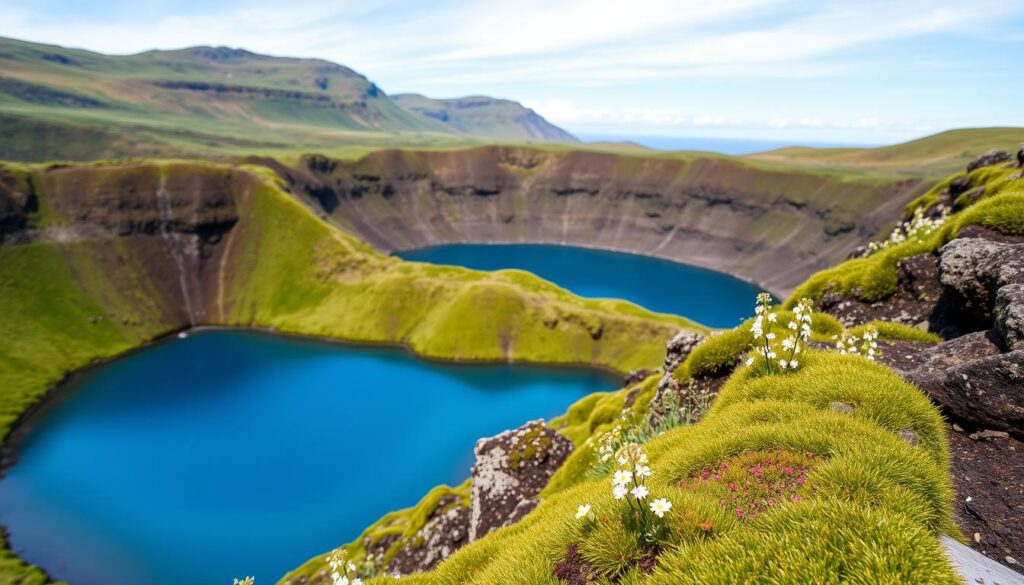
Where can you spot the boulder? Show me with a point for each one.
(972, 270)
(679, 347)
(510, 470)
(973, 380)
(676, 351)
(959, 185)
(1020, 154)
(637, 376)
(992, 157)
(1009, 314)
(446, 531)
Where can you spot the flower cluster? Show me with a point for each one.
(246, 581)
(629, 485)
(343, 570)
(780, 353)
(915, 229)
(755, 481)
(866, 344)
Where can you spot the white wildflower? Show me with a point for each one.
(640, 492)
(622, 477)
(583, 511)
(660, 507)
(619, 491)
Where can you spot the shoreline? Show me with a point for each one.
(22, 427)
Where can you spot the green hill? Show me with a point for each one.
(936, 155)
(73, 104)
(486, 117)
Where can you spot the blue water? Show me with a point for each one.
(712, 298)
(732, 146)
(230, 453)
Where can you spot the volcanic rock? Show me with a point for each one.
(512, 468)
(446, 531)
(974, 381)
(992, 157)
(1009, 314)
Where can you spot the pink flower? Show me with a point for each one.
(733, 487)
(740, 513)
(789, 471)
(800, 480)
(797, 499)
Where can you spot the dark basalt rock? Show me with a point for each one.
(1009, 314)
(917, 301)
(637, 376)
(974, 269)
(992, 157)
(974, 381)
(446, 531)
(510, 470)
(1020, 154)
(959, 185)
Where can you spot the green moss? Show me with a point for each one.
(870, 511)
(69, 304)
(875, 277)
(890, 331)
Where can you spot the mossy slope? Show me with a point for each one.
(875, 502)
(87, 273)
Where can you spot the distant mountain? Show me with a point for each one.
(58, 103)
(485, 116)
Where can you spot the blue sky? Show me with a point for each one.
(862, 71)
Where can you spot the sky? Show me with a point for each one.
(861, 71)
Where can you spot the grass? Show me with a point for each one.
(936, 155)
(873, 503)
(67, 305)
(870, 510)
(875, 277)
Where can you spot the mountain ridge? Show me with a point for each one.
(224, 94)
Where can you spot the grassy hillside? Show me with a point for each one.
(212, 101)
(483, 116)
(86, 273)
(870, 502)
(937, 155)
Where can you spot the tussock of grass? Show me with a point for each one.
(889, 331)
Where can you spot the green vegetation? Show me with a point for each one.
(934, 156)
(72, 298)
(875, 277)
(868, 505)
(216, 102)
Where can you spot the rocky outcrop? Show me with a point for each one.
(974, 269)
(1020, 155)
(916, 302)
(174, 217)
(510, 470)
(446, 530)
(992, 157)
(1009, 315)
(772, 227)
(974, 380)
(972, 292)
